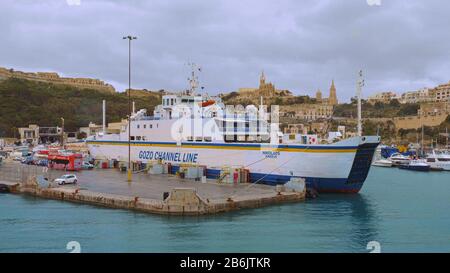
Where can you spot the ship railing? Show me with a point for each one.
(149, 118)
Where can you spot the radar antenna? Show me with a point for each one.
(193, 80)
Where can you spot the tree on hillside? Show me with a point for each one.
(24, 102)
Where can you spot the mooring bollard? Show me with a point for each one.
(165, 195)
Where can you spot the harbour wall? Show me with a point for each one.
(180, 201)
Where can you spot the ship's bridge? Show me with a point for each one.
(184, 105)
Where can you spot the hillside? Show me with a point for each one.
(284, 98)
(24, 102)
(377, 110)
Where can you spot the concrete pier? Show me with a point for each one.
(108, 188)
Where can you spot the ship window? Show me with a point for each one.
(151, 126)
(189, 138)
(171, 101)
(143, 138)
(138, 138)
(207, 139)
(131, 137)
(137, 126)
(145, 126)
(200, 139)
(431, 160)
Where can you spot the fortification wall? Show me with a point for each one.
(52, 77)
(415, 122)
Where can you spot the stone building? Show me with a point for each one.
(113, 128)
(29, 134)
(441, 93)
(383, 97)
(34, 134)
(319, 96)
(92, 129)
(296, 128)
(308, 112)
(331, 100)
(322, 109)
(265, 89)
(421, 95)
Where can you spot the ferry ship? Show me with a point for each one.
(191, 128)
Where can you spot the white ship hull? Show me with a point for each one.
(338, 167)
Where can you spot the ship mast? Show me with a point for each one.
(193, 80)
(359, 85)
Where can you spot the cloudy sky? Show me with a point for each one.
(301, 45)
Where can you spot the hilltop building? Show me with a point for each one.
(383, 97)
(441, 92)
(331, 100)
(54, 78)
(322, 109)
(319, 96)
(308, 112)
(421, 95)
(265, 89)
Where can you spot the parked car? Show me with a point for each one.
(87, 166)
(66, 179)
(28, 160)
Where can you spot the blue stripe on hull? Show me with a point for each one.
(319, 184)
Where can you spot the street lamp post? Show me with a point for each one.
(129, 38)
(62, 133)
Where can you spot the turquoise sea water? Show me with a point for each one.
(404, 211)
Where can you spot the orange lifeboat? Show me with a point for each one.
(207, 103)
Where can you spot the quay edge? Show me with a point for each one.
(181, 201)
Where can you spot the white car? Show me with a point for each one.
(66, 179)
(87, 166)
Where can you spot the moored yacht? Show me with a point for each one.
(416, 165)
(382, 163)
(439, 161)
(398, 159)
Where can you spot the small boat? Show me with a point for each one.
(439, 161)
(382, 163)
(416, 165)
(398, 159)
